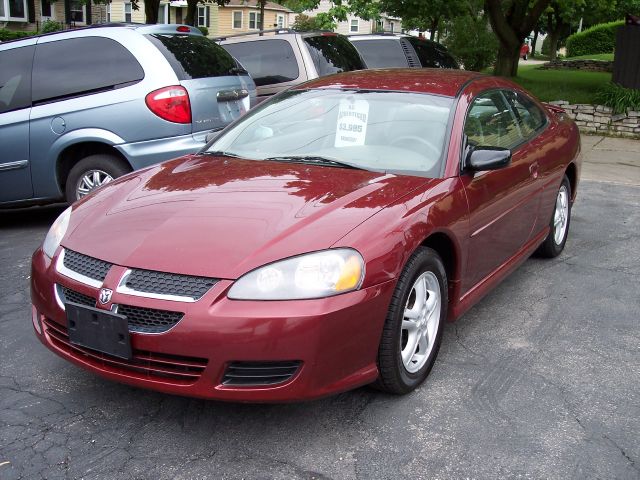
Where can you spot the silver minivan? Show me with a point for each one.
(81, 107)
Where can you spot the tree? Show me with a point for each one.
(151, 10)
(424, 14)
(472, 42)
(305, 23)
(512, 21)
(559, 16)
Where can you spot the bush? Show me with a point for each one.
(620, 99)
(204, 30)
(6, 35)
(472, 43)
(51, 26)
(597, 39)
(305, 23)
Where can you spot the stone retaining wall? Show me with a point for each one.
(600, 119)
(588, 65)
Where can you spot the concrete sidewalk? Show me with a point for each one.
(614, 160)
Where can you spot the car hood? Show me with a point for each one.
(221, 217)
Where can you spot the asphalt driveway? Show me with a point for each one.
(540, 380)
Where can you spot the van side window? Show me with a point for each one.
(268, 61)
(105, 65)
(15, 78)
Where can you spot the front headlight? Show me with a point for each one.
(56, 232)
(314, 275)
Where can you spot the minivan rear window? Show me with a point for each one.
(193, 56)
(333, 54)
(268, 61)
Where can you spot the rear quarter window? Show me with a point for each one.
(193, 56)
(79, 66)
(267, 61)
(432, 55)
(15, 78)
(333, 54)
(381, 53)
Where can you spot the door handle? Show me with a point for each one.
(533, 170)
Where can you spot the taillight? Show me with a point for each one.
(183, 29)
(171, 104)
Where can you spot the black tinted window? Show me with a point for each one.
(196, 57)
(432, 54)
(268, 61)
(15, 78)
(82, 65)
(381, 53)
(333, 54)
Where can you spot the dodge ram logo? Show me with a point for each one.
(105, 296)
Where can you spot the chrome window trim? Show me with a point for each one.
(122, 288)
(74, 275)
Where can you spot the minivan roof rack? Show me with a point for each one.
(270, 30)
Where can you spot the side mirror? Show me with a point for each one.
(487, 158)
(211, 136)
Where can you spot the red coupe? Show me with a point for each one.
(316, 245)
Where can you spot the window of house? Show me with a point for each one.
(391, 27)
(76, 11)
(127, 12)
(237, 19)
(108, 13)
(254, 20)
(45, 8)
(280, 20)
(354, 26)
(13, 10)
(202, 16)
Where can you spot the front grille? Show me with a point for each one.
(149, 320)
(85, 265)
(169, 283)
(77, 297)
(145, 365)
(259, 373)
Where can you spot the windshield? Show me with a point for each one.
(380, 131)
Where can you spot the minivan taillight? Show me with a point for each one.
(170, 103)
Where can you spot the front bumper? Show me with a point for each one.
(336, 340)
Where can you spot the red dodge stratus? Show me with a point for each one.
(316, 245)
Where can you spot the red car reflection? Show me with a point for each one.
(317, 245)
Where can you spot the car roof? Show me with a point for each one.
(436, 81)
(139, 27)
(377, 36)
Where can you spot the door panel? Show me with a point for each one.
(15, 170)
(503, 204)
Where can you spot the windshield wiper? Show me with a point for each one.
(222, 153)
(314, 160)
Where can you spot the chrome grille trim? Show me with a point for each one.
(122, 288)
(78, 277)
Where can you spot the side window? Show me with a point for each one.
(15, 78)
(268, 61)
(491, 122)
(529, 116)
(80, 66)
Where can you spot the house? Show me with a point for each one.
(28, 15)
(240, 16)
(355, 25)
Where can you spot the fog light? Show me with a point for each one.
(35, 318)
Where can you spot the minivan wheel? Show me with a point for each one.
(92, 172)
(412, 332)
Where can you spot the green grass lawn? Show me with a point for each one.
(595, 56)
(574, 86)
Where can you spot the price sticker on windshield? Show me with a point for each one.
(352, 122)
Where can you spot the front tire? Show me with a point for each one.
(92, 172)
(412, 332)
(559, 224)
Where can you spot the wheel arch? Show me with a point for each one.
(446, 248)
(75, 152)
(572, 175)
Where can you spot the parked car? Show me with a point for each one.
(81, 107)
(317, 245)
(282, 58)
(387, 50)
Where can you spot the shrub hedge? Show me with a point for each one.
(620, 99)
(597, 39)
(6, 35)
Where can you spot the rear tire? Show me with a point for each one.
(559, 223)
(92, 172)
(412, 332)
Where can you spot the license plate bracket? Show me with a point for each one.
(99, 330)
